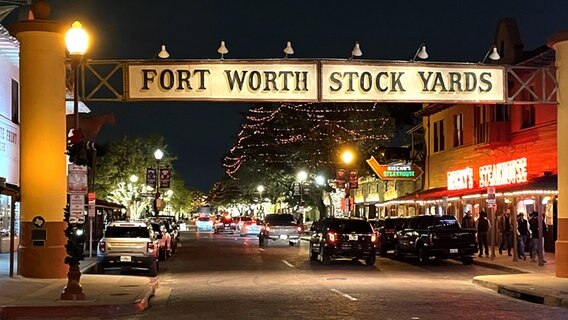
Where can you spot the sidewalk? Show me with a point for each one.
(105, 295)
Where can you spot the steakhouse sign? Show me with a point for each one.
(314, 81)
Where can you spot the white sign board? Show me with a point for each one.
(76, 179)
(224, 81)
(9, 151)
(412, 82)
(77, 208)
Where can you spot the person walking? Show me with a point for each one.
(523, 233)
(483, 227)
(467, 221)
(504, 226)
(536, 247)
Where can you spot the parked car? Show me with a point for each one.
(334, 238)
(249, 227)
(280, 227)
(435, 237)
(204, 223)
(386, 230)
(242, 220)
(128, 245)
(164, 240)
(225, 224)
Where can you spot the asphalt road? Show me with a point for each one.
(228, 277)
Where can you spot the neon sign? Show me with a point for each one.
(510, 172)
(460, 179)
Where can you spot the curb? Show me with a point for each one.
(80, 309)
(496, 266)
(526, 295)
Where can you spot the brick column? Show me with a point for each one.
(43, 132)
(560, 44)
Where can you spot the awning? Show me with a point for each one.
(542, 185)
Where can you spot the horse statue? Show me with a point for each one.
(90, 125)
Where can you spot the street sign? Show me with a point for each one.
(151, 177)
(395, 172)
(77, 208)
(38, 222)
(340, 178)
(353, 179)
(76, 179)
(491, 196)
(164, 178)
(92, 202)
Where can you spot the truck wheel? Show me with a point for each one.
(370, 261)
(312, 254)
(153, 270)
(422, 256)
(99, 268)
(324, 258)
(382, 249)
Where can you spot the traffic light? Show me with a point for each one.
(77, 148)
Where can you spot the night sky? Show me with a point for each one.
(200, 133)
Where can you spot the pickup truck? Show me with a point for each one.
(280, 227)
(429, 237)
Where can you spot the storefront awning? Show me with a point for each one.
(541, 185)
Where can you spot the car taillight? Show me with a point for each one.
(299, 229)
(331, 237)
(102, 246)
(150, 247)
(374, 237)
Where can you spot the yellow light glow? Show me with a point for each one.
(347, 156)
(77, 39)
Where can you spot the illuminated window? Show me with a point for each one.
(439, 136)
(458, 130)
(529, 116)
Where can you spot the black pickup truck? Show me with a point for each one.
(435, 237)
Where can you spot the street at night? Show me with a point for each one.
(224, 276)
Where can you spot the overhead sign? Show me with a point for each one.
(315, 81)
(409, 82)
(222, 81)
(395, 172)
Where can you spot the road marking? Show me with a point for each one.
(344, 294)
(260, 249)
(288, 264)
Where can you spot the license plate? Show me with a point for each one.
(453, 250)
(125, 258)
(283, 237)
(353, 237)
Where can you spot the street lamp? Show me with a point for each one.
(347, 157)
(158, 155)
(133, 181)
(77, 41)
(302, 176)
(260, 189)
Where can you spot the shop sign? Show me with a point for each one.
(503, 173)
(395, 172)
(460, 179)
(510, 172)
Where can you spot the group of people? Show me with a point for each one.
(526, 229)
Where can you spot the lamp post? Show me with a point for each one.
(302, 176)
(133, 181)
(158, 155)
(347, 157)
(77, 41)
(260, 189)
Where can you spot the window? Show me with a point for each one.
(439, 136)
(502, 112)
(15, 102)
(529, 116)
(458, 130)
(480, 124)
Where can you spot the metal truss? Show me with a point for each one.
(105, 80)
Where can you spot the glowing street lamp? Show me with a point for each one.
(158, 155)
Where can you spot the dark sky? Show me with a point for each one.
(200, 133)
